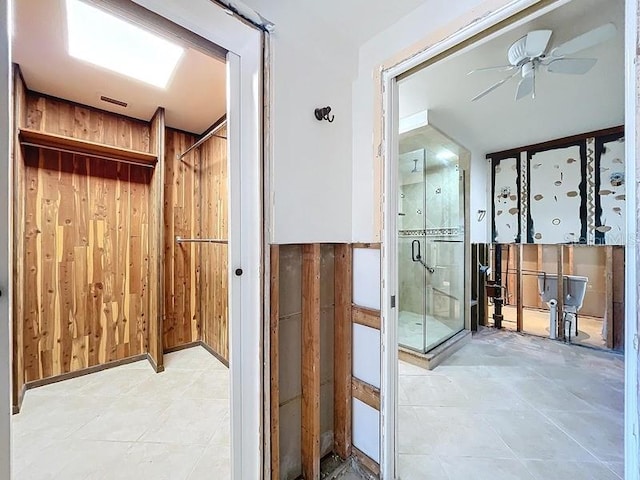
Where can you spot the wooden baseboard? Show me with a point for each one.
(15, 409)
(76, 374)
(177, 348)
(209, 349)
(156, 368)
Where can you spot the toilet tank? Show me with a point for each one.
(575, 288)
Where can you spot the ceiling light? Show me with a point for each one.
(102, 39)
(445, 154)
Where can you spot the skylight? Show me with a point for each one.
(99, 38)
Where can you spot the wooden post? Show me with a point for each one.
(342, 350)
(311, 361)
(275, 361)
(519, 292)
(156, 269)
(618, 282)
(608, 294)
(560, 297)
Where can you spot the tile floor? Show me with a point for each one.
(129, 423)
(513, 407)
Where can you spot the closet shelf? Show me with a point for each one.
(85, 147)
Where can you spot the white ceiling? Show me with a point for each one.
(194, 99)
(564, 104)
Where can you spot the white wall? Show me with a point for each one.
(313, 66)
(416, 26)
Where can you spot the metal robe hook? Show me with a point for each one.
(323, 114)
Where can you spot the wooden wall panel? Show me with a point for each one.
(181, 261)
(62, 117)
(214, 257)
(85, 262)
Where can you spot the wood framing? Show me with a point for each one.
(274, 342)
(367, 462)
(311, 361)
(366, 393)
(608, 288)
(519, 290)
(560, 296)
(366, 316)
(342, 345)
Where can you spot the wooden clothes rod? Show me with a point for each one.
(212, 133)
(201, 240)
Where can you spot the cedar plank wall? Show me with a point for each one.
(213, 257)
(85, 249)
(195, 274)
(181, 261)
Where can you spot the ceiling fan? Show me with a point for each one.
(530, 54)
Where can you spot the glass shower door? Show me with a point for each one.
(411, 242)
(444, 238)
(431, 253)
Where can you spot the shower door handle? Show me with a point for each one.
(415, 251)
(416, 256)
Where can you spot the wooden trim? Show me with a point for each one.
(157, 368)
(342, 345)
(85, 371)
(274, 342)
(367, 462)
(85, 147)
(367, 394)
(557, 143)
(366, 245)
(156, 241)
(311, 361)
(15, 408)
(184, 346)
(366, 316)
(608, 289)
(210, 349)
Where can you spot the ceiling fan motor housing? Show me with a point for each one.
(517, 53)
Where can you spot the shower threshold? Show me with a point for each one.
(434, 357)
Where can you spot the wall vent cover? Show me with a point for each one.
(114, 101)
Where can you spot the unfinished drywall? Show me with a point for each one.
(290, 356)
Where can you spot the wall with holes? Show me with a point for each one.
(563, 191)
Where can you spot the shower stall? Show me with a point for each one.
(431, 239)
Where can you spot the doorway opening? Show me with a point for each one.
(528, 126)
(126, 224)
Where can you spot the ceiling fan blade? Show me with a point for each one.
(526, 87)
(572, 66)
(501, 68)
(494, 86)
(586, 40)
(537, 42)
